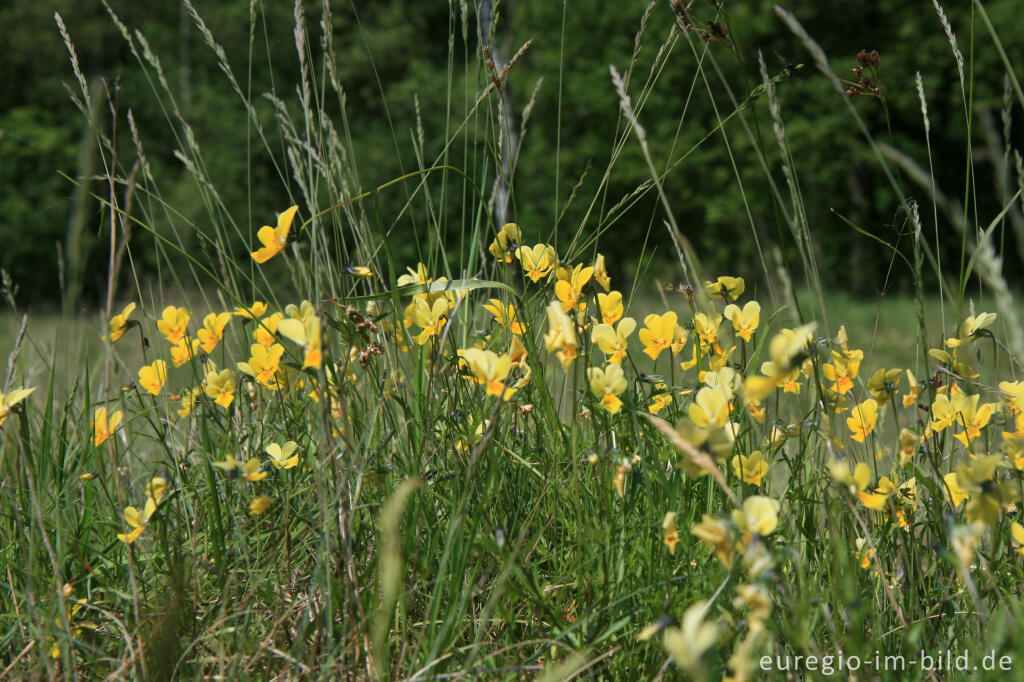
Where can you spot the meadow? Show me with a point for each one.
(390, 431)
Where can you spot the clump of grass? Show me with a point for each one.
(329, 463)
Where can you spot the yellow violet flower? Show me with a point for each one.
(908, 445)
(716, 535)
(359, 270)
(537, 261)
(613, 341)
(687, 643)
(250, 471)
(506, 242)
(306, 333)
(273, 239)
(946, 410)
(264, 364)
(601, 273)
(10, 399)
(119, 323)
(505, 315)
(668, 525)
(610, 307)
(969, 328)
(863, 419)
(973, 418)
(608, 384)
(952, 488)
(913, 392)
(220, 387)
(188, 401)
(658, 333)
(750, 469)
(1013, 391)
(266, 329)
(710, 407)
(153, 377)
(707, 328)
(139, 520)
(488, 369)
(758, 516)
(430, 318)
(883, 384)
(283, 456)
(843, 369)
(1017, 533)
(255, 311)
(103, 426)
(727, 288)
(173, 323)
(212, 331)
(561, 336)
(259, 505)
(569, 289)
(745, 320)
(660, 400)
(184, 351)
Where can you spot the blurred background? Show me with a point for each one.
(393, 53)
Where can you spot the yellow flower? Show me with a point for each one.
(707, 327)
(220, 387)
(710, 407)
(537, 261)
(561, 336)
(305, 331)
(183, 351)
(601, 273)
(687, 643)
(671, 532)
(658, 333)
(728, 288)
(865, 555)
(505, 315)
(863, 419)
(153, 377)
(283, 457)
(908, 445)
(608, 384)
(103, 427)
(613, 342)
(119, 323)
(952, 489)
(715, 534)
(758, 516)
(139, 520)
(882, 384)
(1013, 391)
(745, 320)
(843, 369)
(212, 331)
(265, 330)
(256, 310)
(506, 242)
(359, 270)
(431, 318)
(751, 469)
(188, 401)
(11, 399)
(489, 369)
(945, 410)
(250, 471)
(610, 307)
(970, 327)
(259, 505)
(986, 494)
(661, 399)
(973, 418)
(625, 466)
(914, 392)
(264, 364)
(173, 323)
(569, 289)
(273, 239)
(1017, 533)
